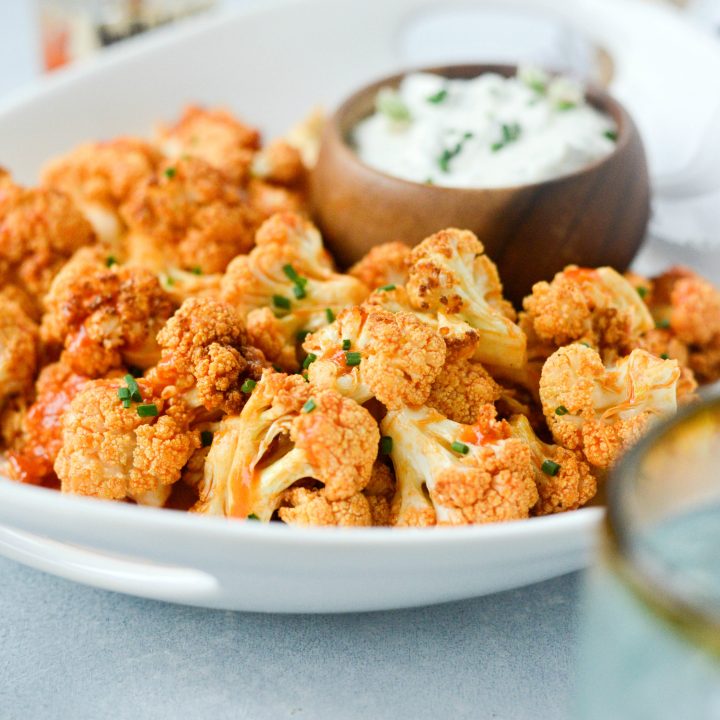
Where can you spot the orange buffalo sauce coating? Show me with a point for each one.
(57, 387)
(243, 486)
(476, 435)
(580, 273)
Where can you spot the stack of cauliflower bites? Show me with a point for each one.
(175, 334)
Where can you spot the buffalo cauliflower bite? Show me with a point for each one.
(602, 411)
(310, 506)
(188, 216)
(39, 231)
(19, 350)
(290, 272)
(462, 388)
(213, 135)
(205, 357)
(450, 275)
(687, 307)
(40, 437)
(383, 265)
(100, 177)
(279, 163)
(564, 480)
(105, 317)
(116, 452)
(369, 353)
(596, 306)
(267, 199)
(288, 432)
(457, 474)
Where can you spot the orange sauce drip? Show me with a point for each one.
(475, 435)
(34, 463)
(581, 273)
(243, 487)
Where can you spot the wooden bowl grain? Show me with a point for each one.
(595, 216)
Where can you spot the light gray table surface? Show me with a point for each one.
(73, 652)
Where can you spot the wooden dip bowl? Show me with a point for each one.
(594, 216)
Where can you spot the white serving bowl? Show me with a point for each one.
(270, 64)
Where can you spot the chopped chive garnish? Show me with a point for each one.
(352, 358)
(301, 335)
(460, 448)
(346, 344)
(550, 468)
(611, 135)
(123, 393)
(566, 105)
(663, 324)
(126, 403)
(135, 371)
(429, 181)
(170, 280)
(281, 302)
(299, 292)
(510, 133)
(449, 153)
(438, 97)
(309, 406)
(252, 516)
(248, 386)
(110, 261)
(131, 383)
(561, 410)
(386, 445)
(309, 360)
(389, 103)
(664, 356)
(136, 396)
(584, 343)
(642, 292)
(170, 172)
(289, 271)
(387, 288)
(329, 315)
(197, 270)
(147, 410)
(206, 438)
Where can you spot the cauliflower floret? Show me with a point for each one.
(602, 411)
(39, 231)
(188, 216)
(280, 163)
(215, 136)
(287, 432)
(564, 480)
(289, 271)
(462, 388)
(205, 357)
(596, 306)
(116, 452)
(100, 177)
(268, 199)
(688, 307)
(310, 506)
(457, 474)
(374, 353)
(383, 265)
(19, 348)
(306, 135)
(450, 275)
(380, 492)
(181, 285)
(104, 317)
(40, 438)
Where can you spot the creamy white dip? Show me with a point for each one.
(490, 131)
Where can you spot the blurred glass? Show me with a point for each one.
(72, 29)
(650, 646)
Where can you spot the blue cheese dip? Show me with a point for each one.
(490, 131)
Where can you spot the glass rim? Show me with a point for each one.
(664, 597)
